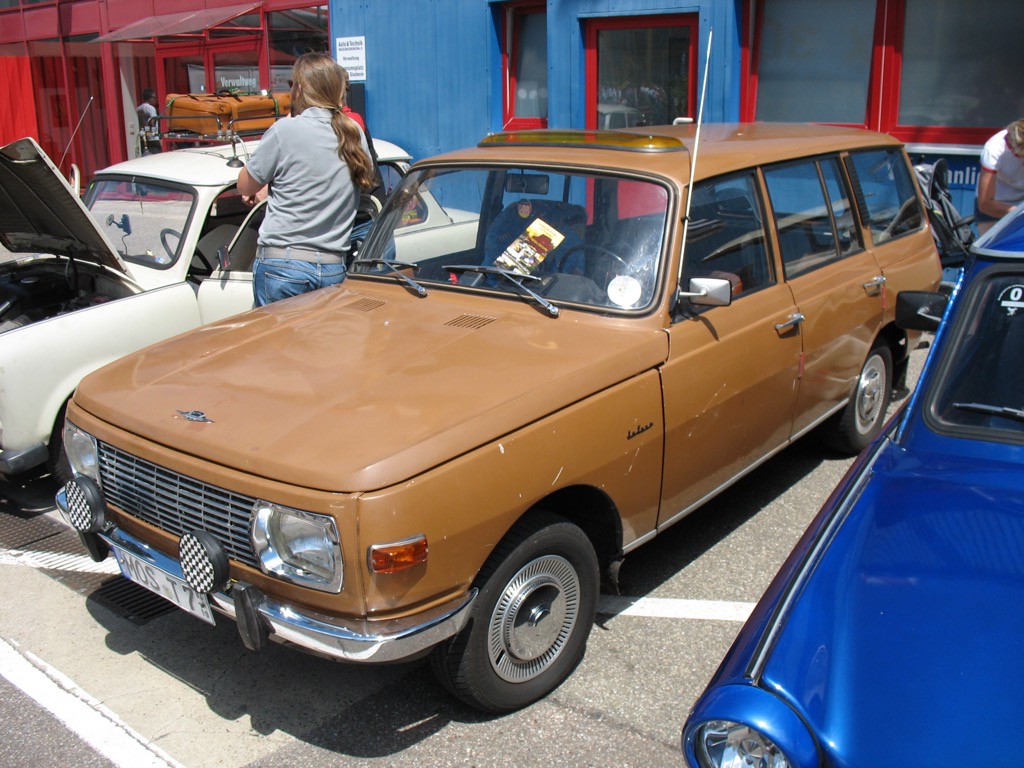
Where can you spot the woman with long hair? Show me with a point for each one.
(314, 165)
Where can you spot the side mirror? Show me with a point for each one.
(920, 310)
(224, 258)
(708, 292)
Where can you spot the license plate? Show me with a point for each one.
(164, 584)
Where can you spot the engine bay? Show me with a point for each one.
(31, 292)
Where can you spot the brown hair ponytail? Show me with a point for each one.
(350, 149)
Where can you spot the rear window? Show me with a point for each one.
(887, 193)
(813, 214)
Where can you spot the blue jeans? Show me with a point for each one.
(274, 279)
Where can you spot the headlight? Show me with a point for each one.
(82, 452)
(725, 744)
(299, 547)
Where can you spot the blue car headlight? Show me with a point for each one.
(725, 744)
(743, 726)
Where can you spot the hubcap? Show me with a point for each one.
(533, 618)
(870, 394)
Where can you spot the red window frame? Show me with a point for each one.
(595, 26)
(208, 50)
(881, 112)
(514, 14)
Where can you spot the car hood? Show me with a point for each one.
(365, 385)
(40, 212)
(904, 647)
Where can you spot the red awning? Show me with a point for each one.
(176, 23)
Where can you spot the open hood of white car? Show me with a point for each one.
(40, 212)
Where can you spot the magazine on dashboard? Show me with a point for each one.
(527, 251)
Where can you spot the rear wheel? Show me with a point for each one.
(853, 428)
(529, 626)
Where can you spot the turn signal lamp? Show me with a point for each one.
(399, 556)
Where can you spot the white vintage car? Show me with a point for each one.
(135, 262)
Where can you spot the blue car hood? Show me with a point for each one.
(905, 645)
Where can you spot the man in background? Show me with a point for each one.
(146, 110)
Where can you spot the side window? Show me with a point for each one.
(886, 193)
(391, 175)
(726, 236)
(803, 217)
(847, 232)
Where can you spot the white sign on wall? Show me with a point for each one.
(350, 52)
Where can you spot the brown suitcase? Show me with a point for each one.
(212, 115)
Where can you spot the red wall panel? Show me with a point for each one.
(19, 119)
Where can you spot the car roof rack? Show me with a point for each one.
(170, 128)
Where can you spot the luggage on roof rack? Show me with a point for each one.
(223, 114)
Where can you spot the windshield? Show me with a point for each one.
(978, 390)
(144, 221)
(543, 235)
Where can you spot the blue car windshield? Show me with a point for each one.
(978, 392)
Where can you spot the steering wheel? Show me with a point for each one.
(562, 257)
(901, 219)
(207, 268)
(167, 246)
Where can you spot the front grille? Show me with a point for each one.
(176, 503)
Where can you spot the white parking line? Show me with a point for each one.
(674, 608)
(79, 712)
(56, 561)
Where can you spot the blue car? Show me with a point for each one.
(894, 633)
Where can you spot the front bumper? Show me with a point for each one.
(13, 462)
(343, 639)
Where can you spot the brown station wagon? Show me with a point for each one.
(553, 346)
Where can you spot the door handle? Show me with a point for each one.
(794, 320)
(874, 287)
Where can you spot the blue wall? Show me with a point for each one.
(433, 67)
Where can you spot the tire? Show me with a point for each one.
(529, 626)
(58, 464)
(853, 428)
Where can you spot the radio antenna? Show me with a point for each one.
(75, 132)
(693, 158)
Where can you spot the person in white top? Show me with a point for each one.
(1001, 181)
(144, 111)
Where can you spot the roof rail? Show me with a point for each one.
(226, 116)
(168, 127)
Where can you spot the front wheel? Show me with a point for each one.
(57, 463)
(529, 626)
(853, 428)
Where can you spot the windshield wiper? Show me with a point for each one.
(394, 266)
(1017, 414)
(515, 278)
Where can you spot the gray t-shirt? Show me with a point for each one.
(313, 199)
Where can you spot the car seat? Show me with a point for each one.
(566, 218)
